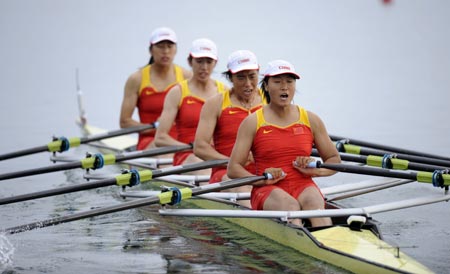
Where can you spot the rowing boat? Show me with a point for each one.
(355, 246)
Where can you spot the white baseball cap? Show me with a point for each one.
(161, 34)
(204, 48)
(278, 67)
(242, 60)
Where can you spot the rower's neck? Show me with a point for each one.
(245, 102)
(161, 70)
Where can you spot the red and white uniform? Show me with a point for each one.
(225, 133)
(150, 104)
(275, 146)
(187, 118)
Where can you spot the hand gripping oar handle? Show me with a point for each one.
(162, 198)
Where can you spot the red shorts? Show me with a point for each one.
(217, 173)
(180, 157)
(260, 194)
(144, 141)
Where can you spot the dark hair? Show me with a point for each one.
(151, 61)
(263, 84)
(227, 74)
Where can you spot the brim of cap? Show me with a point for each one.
(291, 73)
(204, 55)
(249, 67)
(164, 39)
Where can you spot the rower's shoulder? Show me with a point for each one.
(186, 73)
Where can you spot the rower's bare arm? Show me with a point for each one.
(241, 149)
(129, 102)
(204, 136)
(167, 118)
(324, 145)
(187, 73)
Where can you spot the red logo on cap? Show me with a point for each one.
(205, 48)
(243, 61)
(284, 67)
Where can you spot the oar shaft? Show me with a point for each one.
(123, 179)
(40, 170)
(115, 133)
(137, 203)
(24, 152)
(76, 141)
(57, 191)
(387, 148)
(83, 215)
(188, 168)
(353, 149)
(437, 179)
(151, 152)
(90, 161)
(374, 160)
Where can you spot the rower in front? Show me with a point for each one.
(223, 113)
(184, 102)
(280, 136)
(146, 88)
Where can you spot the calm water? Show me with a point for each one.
(372, 71)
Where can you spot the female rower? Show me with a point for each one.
(184, 102)
(223, 113)
(280, 136)
(146, 88)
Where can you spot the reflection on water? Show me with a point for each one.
(6, 252)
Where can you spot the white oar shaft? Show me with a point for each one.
(306, 214)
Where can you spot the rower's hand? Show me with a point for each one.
(301, 164)
(277, 175)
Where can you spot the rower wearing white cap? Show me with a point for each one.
(184, 102)
(280, 136)
(146, 88)
(222, 114)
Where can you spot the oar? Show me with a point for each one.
(130, 178)
(306, 214)
(172, 196)
(96, 161)
(368, 190)
(438, 178)
(353, 149)
(63, 144)
(385, 147)
(387, 161)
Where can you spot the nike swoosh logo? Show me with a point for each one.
(233, 111)
(267, 131)
(147, 92)
(190, 102)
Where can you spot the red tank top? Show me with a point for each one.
(275, 146)
(188, 116)
(150, 103)
(228, 124)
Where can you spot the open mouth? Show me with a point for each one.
(284, 96)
